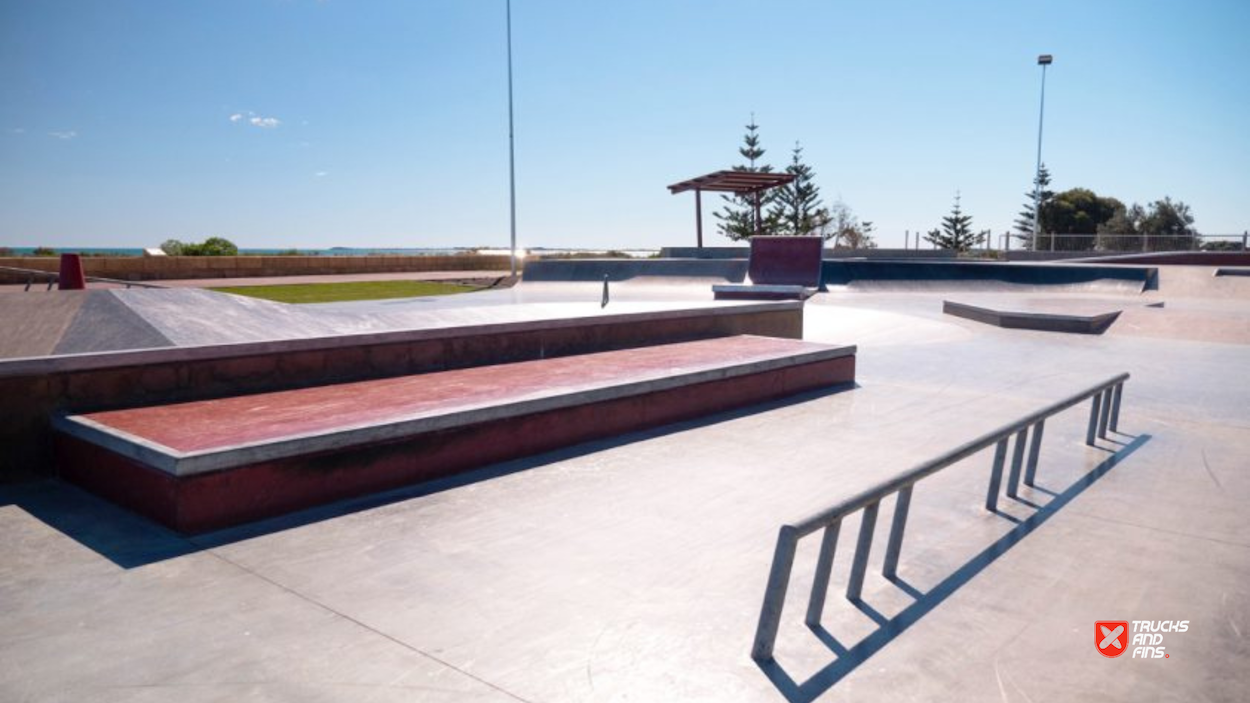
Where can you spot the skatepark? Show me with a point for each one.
(610, 460)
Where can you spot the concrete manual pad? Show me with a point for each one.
(1047, 315)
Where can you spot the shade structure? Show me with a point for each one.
(731, 181)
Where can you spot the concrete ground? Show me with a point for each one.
(633, 569)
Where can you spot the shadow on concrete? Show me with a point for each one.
(848, 659)
(130, 540)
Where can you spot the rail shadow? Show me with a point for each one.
(849, 658)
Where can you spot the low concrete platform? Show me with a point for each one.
(740, 291)
(209, 464)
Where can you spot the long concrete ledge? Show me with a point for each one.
(32, 390)
(748, 291)
(206, 464)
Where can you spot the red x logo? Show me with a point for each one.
(1111, 637)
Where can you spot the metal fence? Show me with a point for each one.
(1104, 415)
(1125, 243)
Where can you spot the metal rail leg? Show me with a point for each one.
(824, 565)
(862, 547)
(996, 476)
(1092, 430)
(1105, 415)
(1115, 407)
(895, 546)
(1017, 460)
(775, 594)
(1035, 448)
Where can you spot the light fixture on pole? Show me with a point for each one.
(1044, 60)
(511, 149)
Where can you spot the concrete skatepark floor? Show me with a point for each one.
(632, 569)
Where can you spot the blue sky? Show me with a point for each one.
(282, 123)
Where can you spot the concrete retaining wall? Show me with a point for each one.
(960, 272)
(32, 390)
(565, 270)
(742, 252)
(155, 268)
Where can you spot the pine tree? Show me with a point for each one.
(1024, 223)
(956, 231)
(737, 219)
(797, 208)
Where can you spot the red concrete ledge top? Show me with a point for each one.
(196, 437)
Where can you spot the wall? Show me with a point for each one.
(155, 268)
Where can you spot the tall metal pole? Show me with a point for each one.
(511, 149)
(1044, 60)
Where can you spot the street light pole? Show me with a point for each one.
(1044, 60)
(511, 148)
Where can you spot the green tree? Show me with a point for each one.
(213, 246)
(737, 218)
(172, 247)
(1122, 231)
(956, 231)
(1169, 225)
(1024, 223)
(1076, 214)
(797, 208)
(1164, 225)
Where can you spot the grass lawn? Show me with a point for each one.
(339, 292)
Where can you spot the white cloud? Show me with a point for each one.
(321, 174)
(69, 134)
(255, 120)
(18, 130)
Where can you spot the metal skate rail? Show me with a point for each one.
(53, 277)
(1104, 415)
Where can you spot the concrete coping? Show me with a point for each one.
(781, 354)
(29, 366)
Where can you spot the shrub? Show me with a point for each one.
(43, 251)
(213, 246)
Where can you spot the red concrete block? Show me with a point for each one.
(209, 464)
(72, 276)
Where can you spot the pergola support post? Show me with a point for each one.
(698, 216)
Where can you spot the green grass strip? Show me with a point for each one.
(342, 292)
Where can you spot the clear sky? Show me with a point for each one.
(281, 123)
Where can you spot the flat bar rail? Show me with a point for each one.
(53, 277)
(1104, 415)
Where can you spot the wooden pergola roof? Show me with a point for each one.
(737, 182)
(740, 182)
